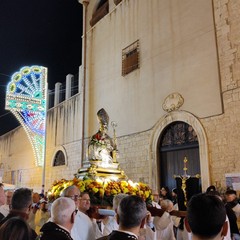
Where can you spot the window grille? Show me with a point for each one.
(130, 58)
(179, 134)
(75, 83)
(59, 159)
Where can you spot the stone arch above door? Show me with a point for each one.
(202, 139)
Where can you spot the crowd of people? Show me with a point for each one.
(27, 215)
(177, 223)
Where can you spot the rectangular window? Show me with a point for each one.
(130, 58)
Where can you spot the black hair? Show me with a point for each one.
(206, 215)
(230, 191)
(214, 193)
(175, 190)
(21, 198)
(15, 228)
(211, 188)
(168, 193)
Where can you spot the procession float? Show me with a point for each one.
(102, 176)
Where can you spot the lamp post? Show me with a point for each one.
(85, 4)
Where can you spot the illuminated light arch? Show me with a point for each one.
(26, 98)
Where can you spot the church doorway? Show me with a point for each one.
(177, 142)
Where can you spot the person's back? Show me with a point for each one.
(15, 228)
(233, 232)
(63, 214)
(131, 216)
(206, 217)
(21, 207)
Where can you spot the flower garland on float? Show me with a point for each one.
(101, 191)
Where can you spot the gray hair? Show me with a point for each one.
(62, 210)
(166, 203)
(66, 191)
(117, 199)
(131, 211)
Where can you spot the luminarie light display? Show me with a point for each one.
(26, 97)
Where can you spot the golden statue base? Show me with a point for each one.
(98, 169)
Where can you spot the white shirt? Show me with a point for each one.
(4, 209)
(82, 228)
(164, 227)
(110, 226)
(156, 205)
(146, 232)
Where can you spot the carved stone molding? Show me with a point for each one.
(158, 129)
(172, 102)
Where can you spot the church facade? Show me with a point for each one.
(167, 73)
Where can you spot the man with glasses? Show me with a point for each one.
(84, 202)
(83, 227)
(84, 206)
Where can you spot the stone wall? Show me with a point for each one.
(223, 130)
(18, 161)
(134, 156)
(178, 53)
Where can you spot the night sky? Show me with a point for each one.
(33, 32)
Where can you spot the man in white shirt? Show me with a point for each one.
(83, 227)
(5, 208)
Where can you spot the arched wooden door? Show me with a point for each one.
(177, 141)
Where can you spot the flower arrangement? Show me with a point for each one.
(97, 139)
(102, 191)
